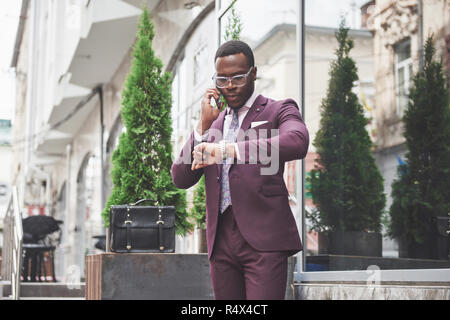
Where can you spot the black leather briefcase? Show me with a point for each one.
(140, 229)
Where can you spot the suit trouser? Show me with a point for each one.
(239, 272)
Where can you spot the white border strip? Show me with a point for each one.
(401, 275)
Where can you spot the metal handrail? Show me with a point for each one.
(12, 245)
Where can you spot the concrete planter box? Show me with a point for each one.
(149, 276)
(436, 246)
(154, 276)
(355, 243)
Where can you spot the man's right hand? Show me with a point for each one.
(209, 112)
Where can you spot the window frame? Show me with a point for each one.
(405, 64)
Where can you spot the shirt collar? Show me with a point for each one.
(247, 105)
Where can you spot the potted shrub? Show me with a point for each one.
(420, 194)
(346, 185)
(198, 213)
(142, 160)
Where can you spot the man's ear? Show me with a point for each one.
(254, 72)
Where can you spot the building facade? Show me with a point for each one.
(397, 41)
(72, 58)
(6, 153)
(67, 144)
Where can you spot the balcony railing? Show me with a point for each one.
(12, 245)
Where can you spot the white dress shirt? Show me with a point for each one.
(228, 117)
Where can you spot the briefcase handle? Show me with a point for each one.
(142, 200)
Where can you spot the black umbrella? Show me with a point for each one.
(35, 228)
(101, 242)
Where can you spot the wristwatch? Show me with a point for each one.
(223, 148)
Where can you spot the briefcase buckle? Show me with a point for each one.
(128, 222)
(159, 222)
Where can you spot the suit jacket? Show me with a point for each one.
(260, 202)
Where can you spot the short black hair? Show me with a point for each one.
(234, 47)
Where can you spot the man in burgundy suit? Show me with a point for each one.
(241, 150)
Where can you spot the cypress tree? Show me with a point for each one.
(233, 28)
(143, 158)
(421, 193)
(346, 186)
(198, 211)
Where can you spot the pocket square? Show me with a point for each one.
(257, 123)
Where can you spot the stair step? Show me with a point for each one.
(48, 290)
(52, 298)
(3, 284)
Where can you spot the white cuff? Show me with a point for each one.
(199, 137)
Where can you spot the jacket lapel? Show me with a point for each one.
(255, 110)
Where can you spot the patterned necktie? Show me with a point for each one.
(225, 183)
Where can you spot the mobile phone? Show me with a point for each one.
(224, 102)
(215, 103)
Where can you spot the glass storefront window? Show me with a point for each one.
(347, 220)
(384, 64)
(223, 4)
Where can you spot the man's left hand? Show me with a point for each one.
(206, 154)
